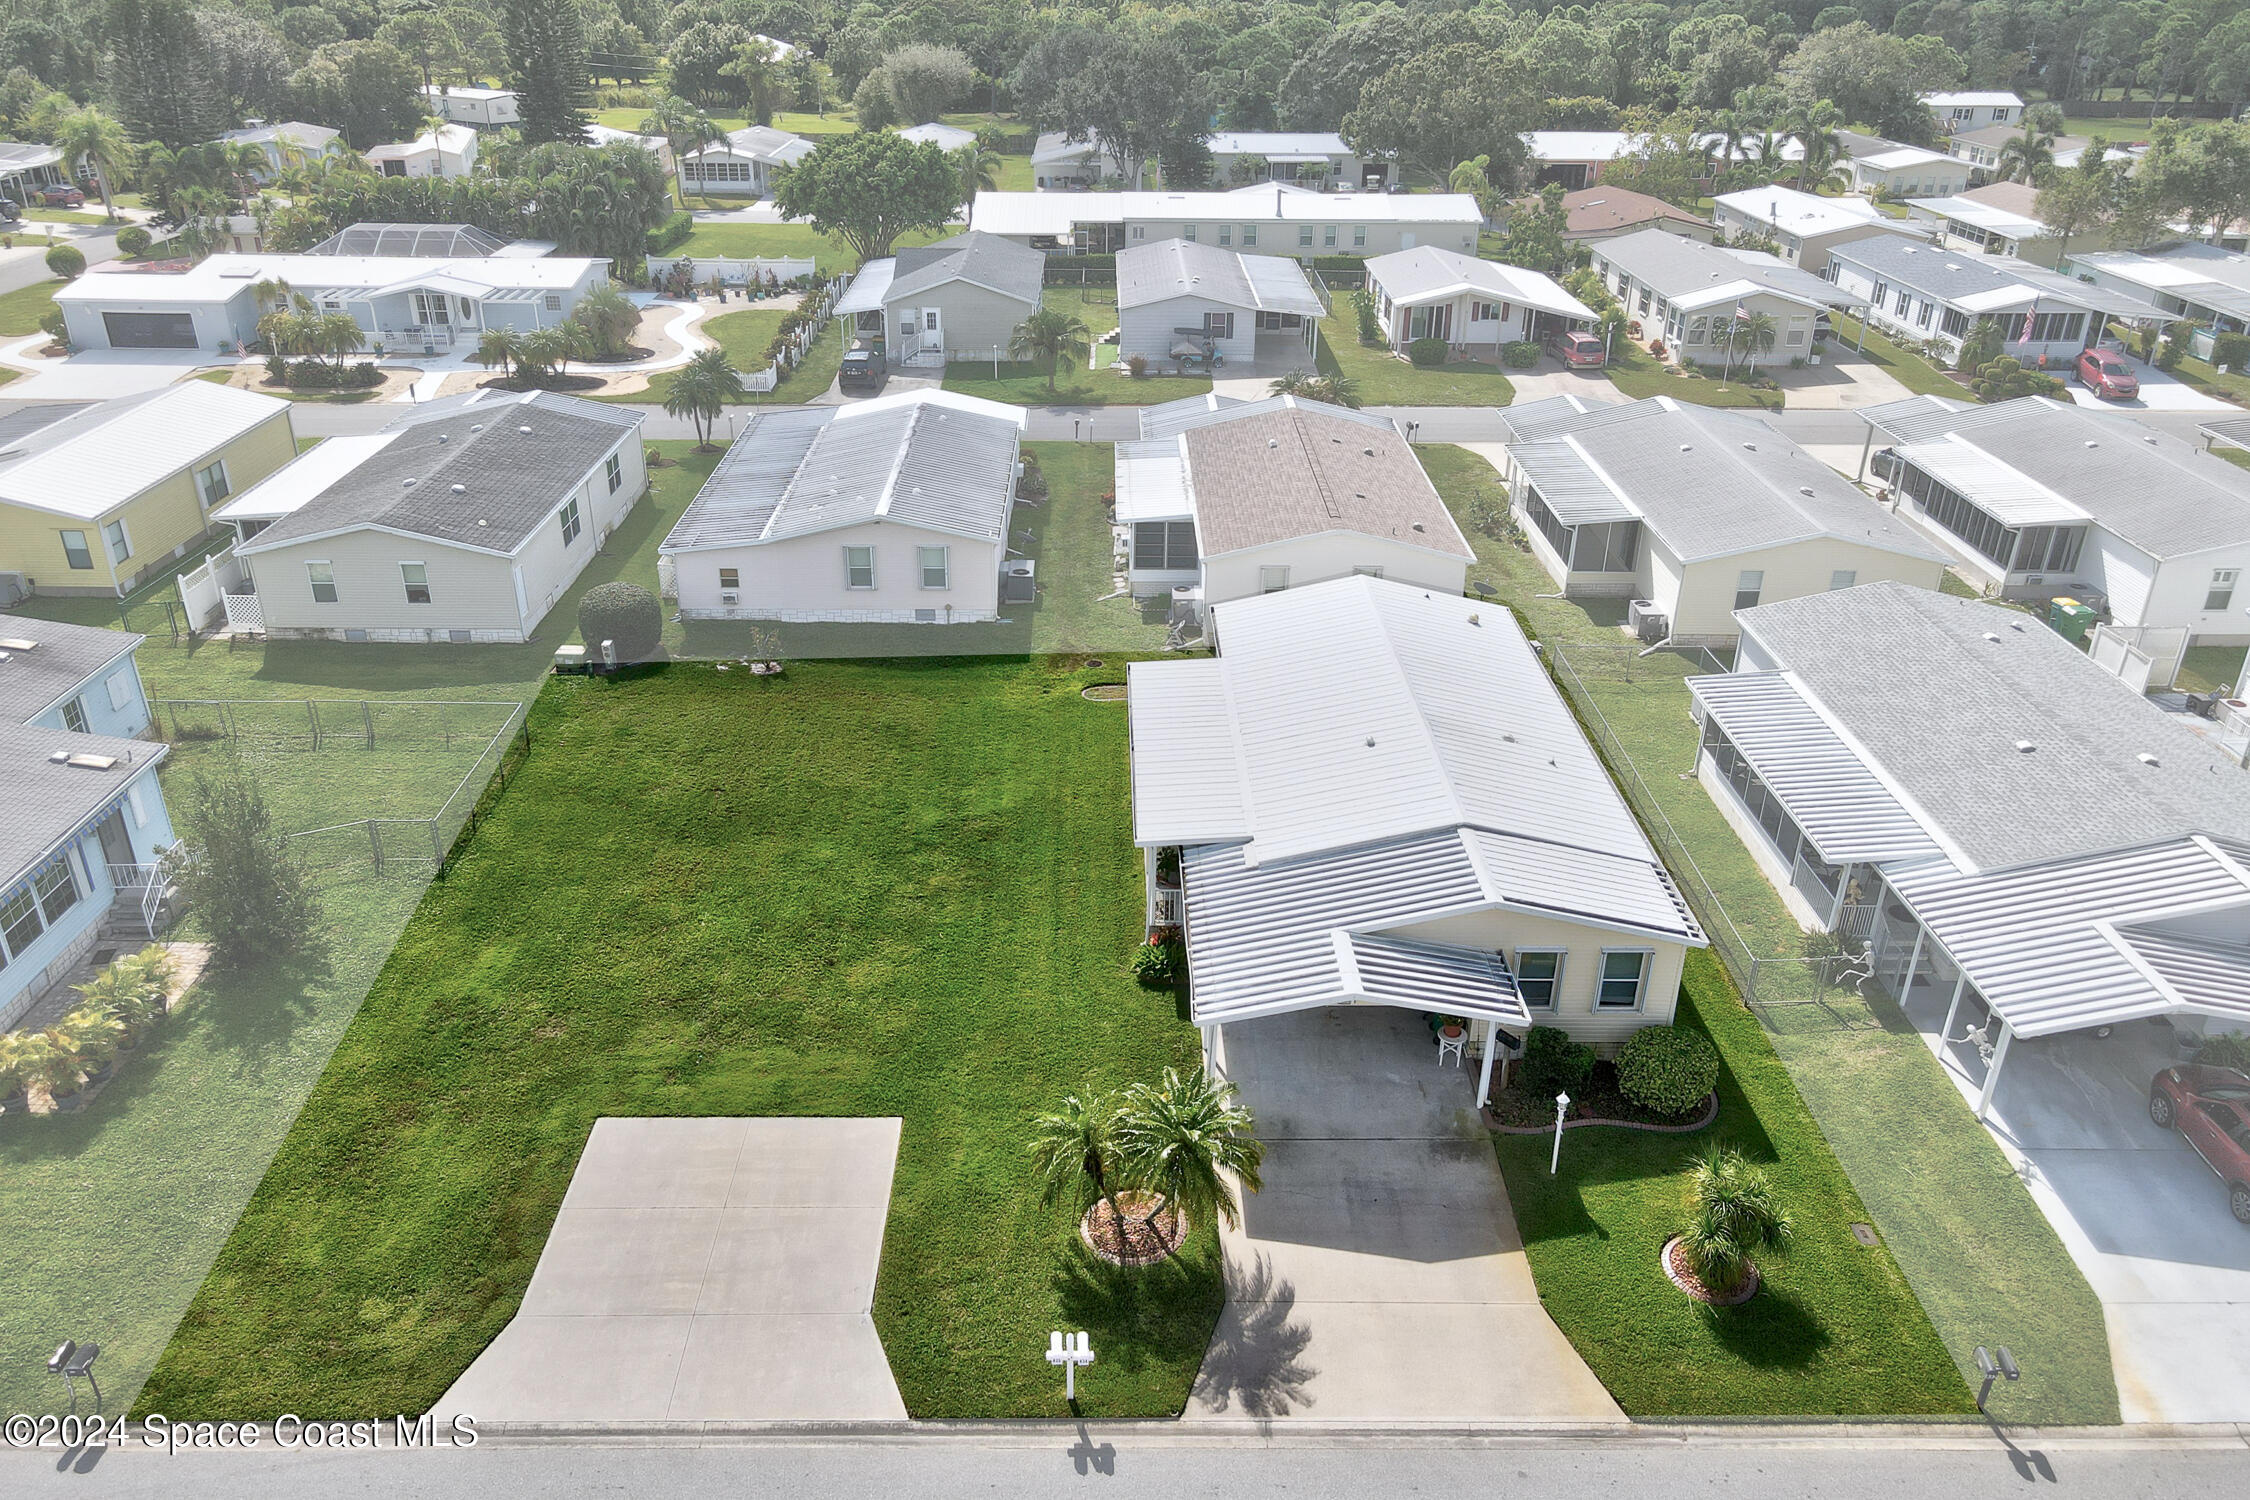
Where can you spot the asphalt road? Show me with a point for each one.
(1143, 1462)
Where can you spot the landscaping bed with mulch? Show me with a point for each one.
(547, 383)
(1681, 1272)
(1144, 1243)
(1597, 1101)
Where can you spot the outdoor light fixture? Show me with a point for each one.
(1070, 1350)
(1994, 1369)
(1554, 1162)
(73, 1360)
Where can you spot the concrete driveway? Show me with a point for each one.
(98, 374)
(704, 1270)
(2145, 1219)
(2159, 392)
(1378, 1277)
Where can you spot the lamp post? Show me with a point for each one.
(1554, 1162)
(1993, 1369)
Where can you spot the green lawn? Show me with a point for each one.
(890, 888)
(21, 310)
(1386, 380)
(292, 393)
(1982, 1260)
(63, 216)
(1071, 538)
(745, 336)
(2233, 386)
(1834, 1332)
(1024, 383)
(1909, 369)
(746, 241)
(1640, 374)
(2206, 667)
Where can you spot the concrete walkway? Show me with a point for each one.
(704, 1270)
(1378, 1277)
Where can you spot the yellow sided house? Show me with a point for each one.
(98, 497)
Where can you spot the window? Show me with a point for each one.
(1272, 580)
(19, 920)
(1698, 329)
(570, 526)
(1604, 546)
(74, 716)
(120, 688)
(1903, 301)
(1539, 976)
(1249, 234)
(932, 562)
(1483, 312)
(1923, 313)
(2048, 549)
(2221, 593)
(211, 484)
(1164, 546)
(1842, 578)
(730, 578)
(120, 545)
(1304, 236)
(1218, 325)
(859, 567)
(1139, 231)
(1363, 571)
(323, 576)
(1226, 234)
(554, 302)
(416, 577)
(1748, 585)
(1624, 976)
(1188, 233)
(1359, 236)
(75, 549)
(615, 469)
(1328, 237)
(1954, 324)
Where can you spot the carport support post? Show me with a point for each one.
(1992, 1069)
(1484, 1073)
(1952, 1013)
(1913, 962)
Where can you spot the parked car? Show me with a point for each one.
(2107, 375)
(864, 368)
(1577, 348)
(62, 195)
(2211, 1107)
(10, 211)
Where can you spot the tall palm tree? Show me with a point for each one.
(979, 165)
(1051, 335)
(93, 137)
(1814, 127)
(198, 211)
(1729, 129)
(1185, 1138)
(1734, 1212)
(1074, 1153)
(701, 390)
(2027, 155)
(1474, 177)
(684, 128)
(1750, 334)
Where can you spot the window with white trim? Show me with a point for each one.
(2221, 593)
(859, 567)
(1842, 578)
(120, 688)
(615, 470)
(1539, 974)
(1304, 236)
(138, 808)
(322, 576)
(1359, 236)
(1328, 237)
(1748, 585)
(730, 578)
(932, 563)
(416, 577)
(1272, 580)
(1226, 234)
(75, 550)
(1249, 234)
(74, 716)
(570, 526)
(1624, 980)
(211, 485)
(120, 544)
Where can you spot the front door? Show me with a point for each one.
(117, 849)
(933, 335)
(431, 310)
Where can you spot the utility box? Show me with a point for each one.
(2070, 619)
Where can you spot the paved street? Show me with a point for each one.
(1056, 1459)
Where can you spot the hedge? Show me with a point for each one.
(2231, 350)
(672, 233)
(1552, 1062)
(1426, 353)
(1522, 354)
(625, 614)
(1667, 1069)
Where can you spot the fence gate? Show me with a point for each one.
(245, 612)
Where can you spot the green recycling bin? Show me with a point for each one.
(2070, 619)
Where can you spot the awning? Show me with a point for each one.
(868, 288)
(1571, 487)
(1151, 482)
(2001, 491)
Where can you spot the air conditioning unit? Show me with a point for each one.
(1648, 622)
(730, 597)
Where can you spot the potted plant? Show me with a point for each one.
(45, 1060)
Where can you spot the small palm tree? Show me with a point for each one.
(701, 390)
(1075, 1156)
(1052, 335)
(550, 350)
(1185, 1138)
(2029, 154)
(610, 317)
(1733, 1212)
(499, 348)
(1749, 334)
(980, 170)
(1474, 177)
(1334, 390)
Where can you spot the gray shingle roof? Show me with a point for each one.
(512, 457)
(61, 657)
(1952, 276)
(29, 417)
(1911, 676)
(46, 801)
(2161, 494)
(1187, 268)
(1266, 476)
(1675, 266)
(1006, 267)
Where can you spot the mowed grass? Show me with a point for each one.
(1835, 1330)
(868, 888)
(22, 309)
(746, 241)
(1909, 369)
(746, 336)
(1070, 535)
(1639, 374)
(1386, 380)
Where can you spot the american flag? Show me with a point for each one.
(1741, 311)
(2030, 317)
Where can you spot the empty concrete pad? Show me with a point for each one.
(704, 1270)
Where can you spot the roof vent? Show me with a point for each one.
(408, 484)
(441, 437)
(1749, 447)
(2150, 440)
(1687, 447)
(2147, 759)
(1273, 442)
(1805, 490)
(460, 489)
(481, 521)
(1418, 526)
(16, 643)
(1988, 635)
(2025, 747)
(1370, 452)
(476, 427)
(526, 431)
(1371, 742)
(2092, 444)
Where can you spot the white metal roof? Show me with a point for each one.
(1152, 482)
(305, 478)
(1904, 156)
(937, 133)
(94, 461)
(1989, 217)
(1431, 273)
(1581, 145)
(1989, 98)
(869, 285)
(2011, 497)
(1570, 486)
(1007, 212)
(1275, 145)
(1187, 782)
(1806, 213)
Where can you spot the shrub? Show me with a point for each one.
(2231, 350)
(1033, 484)
(1161, 962)
(1137, 366)
(1369, 322)
(277, 369)
(626, 615)
(2175, 345)
(2230, 1050)
(1520, 355)
(1667, 1069)
(247, 889)
(133, 240)
(1552, 1062)
(1427, 353)
(55, 327)
(1486, 512)
(2003, 379)
(66, 261)
(662, 240)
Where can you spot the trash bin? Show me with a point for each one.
(2070, 619)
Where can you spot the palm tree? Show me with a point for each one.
(1185, 1138)
(980, 170)
(610, 317)
(1734, 1212)
(1729, 129)
(702, 388)
(1052, 335)
(2025, 156)
(1335, 389)
(339, 336)
(1074, 1154)
(550, 350)
(684, 128)
(1750, 332)
(93, 137)
(198, 211)
(499, 348)
(1814, 128)
(1474, 177)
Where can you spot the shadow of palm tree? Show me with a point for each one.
(1256, 1360)
(1772, 1331)
(1162, 1312)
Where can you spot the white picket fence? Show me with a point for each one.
(206, 587)
(824, 298)
(730, 271)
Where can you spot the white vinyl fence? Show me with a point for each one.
(205, 589)
(730, 271)
(2145, 657)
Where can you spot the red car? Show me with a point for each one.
(1579, 349)
(60, 196)
(2107, 375)
(2211, 1107)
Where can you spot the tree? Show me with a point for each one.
(755, 66)
(2082, 198)
(546, 42)
(873, 104)
(249, 893)
(1074, 1155)
(248, 63)
(1874, 80)
(610, 319)
(1750, 334)
(159, 77)
(696, 67)
(1135, 97)
(979, 166)
(497, 348)
(1334, 390)
(2199, 174)
(1444, 107)
(1814, 127)
(427, 39)
(1733, 1211)
(927, 81)
(365, 89)
(685, 128)
(701, 391)
(1535, 234)
(89, 135)
(1052, 335)
(1474, 177)
(870, 187)
(2026, 156)
(1185, 1138)
(66, 261)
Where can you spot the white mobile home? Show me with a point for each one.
(483, 108)
(1685, 291)
(447, 151)
(890, 511)
(466, 520)
(745, 162)
(290, 142)
(1929, 293)
(1693, 513)
(1315, 159)
(1805, 226)
(959, 298)
(1267, 218)
(1474, 305)
(1180, 300)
